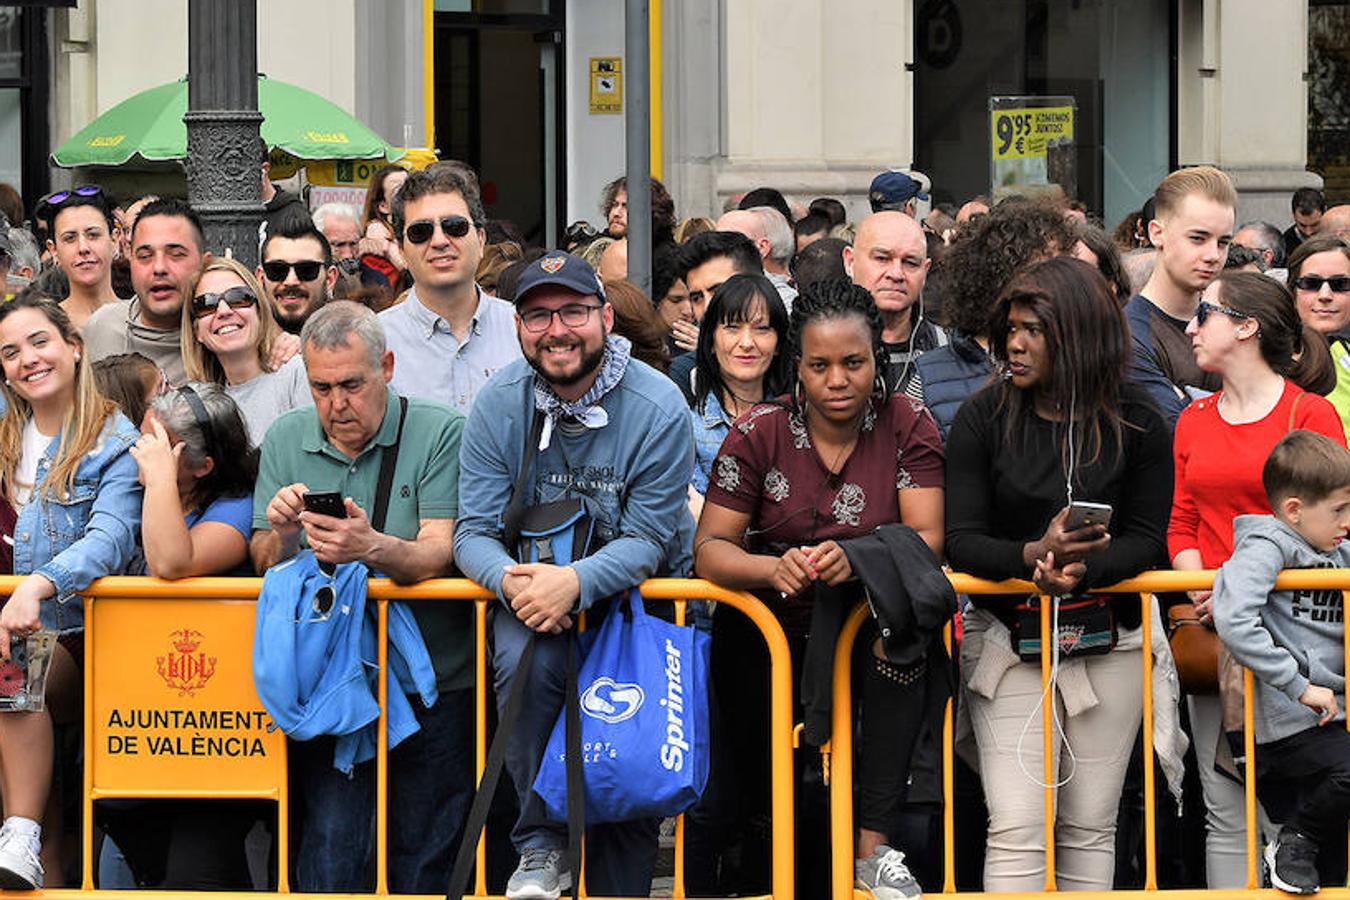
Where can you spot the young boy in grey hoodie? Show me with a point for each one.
(1294, 643)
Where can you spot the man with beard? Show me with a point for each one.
(297, 271)
(166, 252)
(616, 434)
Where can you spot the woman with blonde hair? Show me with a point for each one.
(66, 469)
(227, 337)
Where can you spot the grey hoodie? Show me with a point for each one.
(1289, 639)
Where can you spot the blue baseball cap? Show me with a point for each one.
(562, 269)
(892, 190)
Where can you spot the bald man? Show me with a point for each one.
(1336, 221)
(889, 257)
(772, 237)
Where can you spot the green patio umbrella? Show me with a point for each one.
(150, 125)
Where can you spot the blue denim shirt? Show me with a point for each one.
(711, 424)
(74, 540)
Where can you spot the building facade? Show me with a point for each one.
(811, 96)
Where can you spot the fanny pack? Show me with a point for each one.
(559, 532)
(1087, 627)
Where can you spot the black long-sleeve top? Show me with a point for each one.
(1001, 495)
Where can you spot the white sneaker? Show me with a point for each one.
(885, 876)
(19, 866)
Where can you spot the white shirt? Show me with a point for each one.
(35, 443)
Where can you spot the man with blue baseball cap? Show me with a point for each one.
(615, 434)
(898, 190)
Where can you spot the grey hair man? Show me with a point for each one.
(339, 445)
(1266, 240)
(772, 236)
(340, 223)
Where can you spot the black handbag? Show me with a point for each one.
(1087, 627)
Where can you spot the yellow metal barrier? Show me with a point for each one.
(160, 625)
(840, 748)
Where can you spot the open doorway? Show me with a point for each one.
(498, 96)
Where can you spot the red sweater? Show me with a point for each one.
(1218, 468)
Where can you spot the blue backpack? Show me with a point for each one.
(644, 720)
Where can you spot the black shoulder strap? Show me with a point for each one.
(514, 509)
(388, 460)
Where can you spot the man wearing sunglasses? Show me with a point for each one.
(448, 336)
(1195, 209)
(296, 271)
(616, 435)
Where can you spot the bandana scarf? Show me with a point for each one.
(587, 410)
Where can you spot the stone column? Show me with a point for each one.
(224, 157)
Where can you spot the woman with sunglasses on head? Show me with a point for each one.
(66, 468)
(227, 337)
(198, 468)
(1319, 276)
(793, 478)
(1061, 425)
(84, 238)
(1247, 330)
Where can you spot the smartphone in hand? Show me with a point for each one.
(325, 503)
(1083, 514)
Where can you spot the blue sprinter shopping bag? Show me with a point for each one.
(644, 720)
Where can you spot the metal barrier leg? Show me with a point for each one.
(948, 784)
(841, 760)
(1048, 769)
(1150, 807)
(382, 759)
(1249, 780)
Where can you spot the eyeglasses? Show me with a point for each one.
(204, 305)
(1340, 284)
(1206, 309)
(573, 315)
(421, 231)
(305, 269)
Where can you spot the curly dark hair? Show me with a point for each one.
(663, 207)
(989, 250)
(836, 298)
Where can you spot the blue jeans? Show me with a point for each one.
(620, 856)
(431, 784)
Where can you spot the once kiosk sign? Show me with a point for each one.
(174, 707)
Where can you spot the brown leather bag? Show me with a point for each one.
(1195, 647)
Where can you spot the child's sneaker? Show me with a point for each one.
(1292, 860)
(19, 866)
(885, 875)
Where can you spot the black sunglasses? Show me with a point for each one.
(305, 269)
(1207, 309)
(1340, 284)
(421, 231)
(204, 305)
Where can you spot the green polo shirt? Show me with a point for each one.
(426, 486)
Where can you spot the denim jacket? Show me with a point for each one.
(76, 539)
(711, 424)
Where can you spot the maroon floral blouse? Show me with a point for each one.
(768, 467)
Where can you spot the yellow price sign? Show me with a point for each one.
(1023, 133)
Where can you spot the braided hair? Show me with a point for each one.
(837, 298)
